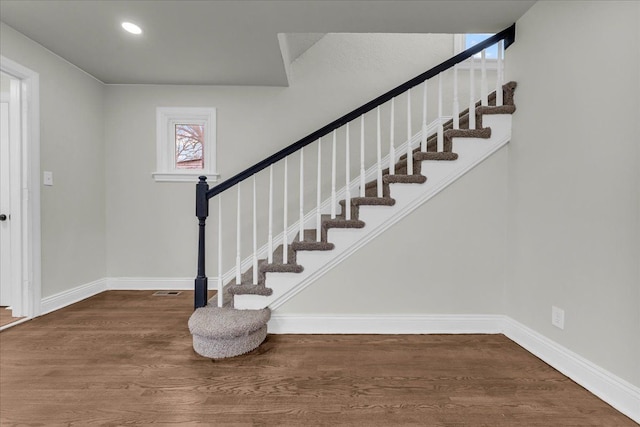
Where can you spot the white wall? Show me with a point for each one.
(574, 183)
(72, 147)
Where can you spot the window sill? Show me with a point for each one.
(184, 176)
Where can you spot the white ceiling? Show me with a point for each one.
(227, 42)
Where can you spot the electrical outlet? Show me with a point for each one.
(557, 317)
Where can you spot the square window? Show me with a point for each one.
(186, 144)
(189, 143)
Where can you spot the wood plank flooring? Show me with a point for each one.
(6, 316)
(125, 358)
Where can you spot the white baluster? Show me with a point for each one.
(238, 271)
(499, 76)
(456, 104)
(378, 152)
(472, 94)
(409, 135)
(423, 143)
(220, 283)
(483, 78)
(363, 182)
(440, 141)
(285, 240)
(319, 191)
(301, 230)
(255, 235)
(392, 138)
(333, 176)
(347, 160)
(270, 241)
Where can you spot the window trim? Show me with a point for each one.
(459, 41)
(166, 119)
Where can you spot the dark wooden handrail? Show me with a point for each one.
(508, 35)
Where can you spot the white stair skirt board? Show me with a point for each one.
(471, 151)
(620, 394)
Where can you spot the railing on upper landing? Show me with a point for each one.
(448, 69)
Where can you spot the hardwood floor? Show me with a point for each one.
(125, 358)
(6, 316)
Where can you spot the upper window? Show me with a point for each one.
(471, 40)
(465, 41)
(186, 144)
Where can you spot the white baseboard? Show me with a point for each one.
(150, 283)
(68, 297)
(385, 324)
(620, 394)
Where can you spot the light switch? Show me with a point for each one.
(47, 178)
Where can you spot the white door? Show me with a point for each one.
(10, 168)
(5, 209)
(19, 178)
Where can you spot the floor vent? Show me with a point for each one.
(167, 293)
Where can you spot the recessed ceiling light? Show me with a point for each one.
(132, 28)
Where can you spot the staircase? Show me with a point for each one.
(433, 158)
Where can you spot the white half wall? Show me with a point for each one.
(574, 183)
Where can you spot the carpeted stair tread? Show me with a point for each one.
(356, 202)
(282, 268)
(312, 246)
(250, 289)
(310, 242)
(503, 109)
(386, 179)
(340, 222)
(404, 179)
(220, 348)
(370, 201)
(223, 322)
(435, 156)
(220, 332)
(467, 133)
(400, 167)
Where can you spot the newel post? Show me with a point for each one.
(202, 212)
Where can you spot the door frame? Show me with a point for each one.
(27, 273)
